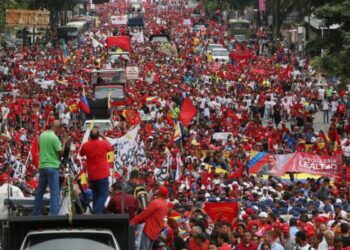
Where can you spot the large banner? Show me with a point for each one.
(271, 164)
(221, 211)
(128, 151)
(313, 164)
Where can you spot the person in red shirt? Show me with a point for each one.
(122, 202)
(247, 243)
(96, 151)
(153, 217)
(224, 240)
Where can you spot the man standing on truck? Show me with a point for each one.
(96, 151)
(51, 150)
(153, 217)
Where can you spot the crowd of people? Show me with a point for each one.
(266, 97)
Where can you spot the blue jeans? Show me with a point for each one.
(100, 192)
(48, 176)
(146, 243)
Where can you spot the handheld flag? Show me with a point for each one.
(178, 134)
(188, 111)
(34, 150)
(323, 135)
(47, 111)
(83, 104)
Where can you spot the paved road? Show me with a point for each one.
(318, 123)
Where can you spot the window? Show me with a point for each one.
(76, 241)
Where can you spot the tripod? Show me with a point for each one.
(68, 192)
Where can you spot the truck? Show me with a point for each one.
(79, 232)
(239, 29)
(109, 88)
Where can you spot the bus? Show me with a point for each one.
(239, 29)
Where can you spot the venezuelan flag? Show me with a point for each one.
(178, 134)
(323, 135)
(257, 161)
(83, 179)
(83, 104)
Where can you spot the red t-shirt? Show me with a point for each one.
(96, 154)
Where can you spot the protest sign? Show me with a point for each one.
(128, 151)
(132, 73)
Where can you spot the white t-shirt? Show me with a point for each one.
(306, 247)
(65, 118)
(4, 112)
(321, 93)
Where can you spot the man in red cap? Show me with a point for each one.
(153, 217)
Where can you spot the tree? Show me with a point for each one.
(11, 4)
(56, 8)
(337, 50)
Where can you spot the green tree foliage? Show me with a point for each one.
(11, 4)
(337, 46)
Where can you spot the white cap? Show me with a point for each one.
(263, 215)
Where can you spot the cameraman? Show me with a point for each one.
(96, 151)
(51, 150)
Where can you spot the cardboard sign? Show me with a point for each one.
(132, 73)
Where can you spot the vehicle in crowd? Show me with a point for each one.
(221, 54)
(110, 85)
(113, 57)
(212, 46)
(72, 30)
(240, 28)
(159, 38)
(240, 38)
(68, 33)
(81, 25)
(102, 124)
(79, 232)
(91, 21)
(87, 239)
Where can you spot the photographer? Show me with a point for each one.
(96, 151)
(51, 150)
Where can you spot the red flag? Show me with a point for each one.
(221, 211)
(47, 112)
(237, 174)
(188, 111)
(122, 42)
(149, 129)
(34, 150)
(231, 114)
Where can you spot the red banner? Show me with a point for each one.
(271, 164)
(221, 211)
(318, 165)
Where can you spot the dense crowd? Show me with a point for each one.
(267, 97)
